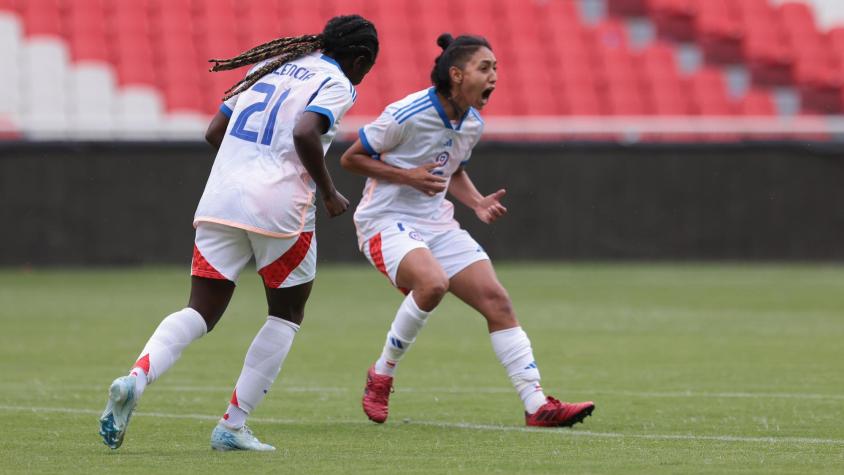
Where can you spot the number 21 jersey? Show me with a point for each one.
(258, 182)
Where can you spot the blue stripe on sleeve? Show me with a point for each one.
(413, 104)
(323, 111)
(226, 110)
(421, 108)
(365, 142)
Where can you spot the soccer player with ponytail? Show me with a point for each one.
(412, 155)
(272, 132)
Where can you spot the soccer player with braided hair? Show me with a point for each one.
(272, 132)
(412, 155)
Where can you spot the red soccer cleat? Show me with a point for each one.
(559, 414)
(376, 395)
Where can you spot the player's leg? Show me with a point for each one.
(474, 281)
(403, 257)
(288, 267)
(219, 254)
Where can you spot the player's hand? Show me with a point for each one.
(336, 204)
(423, 180)
(489, 208)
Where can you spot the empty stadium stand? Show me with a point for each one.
(108, 69)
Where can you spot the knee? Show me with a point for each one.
(429, 291)
(209, 315)
(293, 315)
(498, 306)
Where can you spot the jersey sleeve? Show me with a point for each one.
(332, 100)
(382, 135)
(228, 105)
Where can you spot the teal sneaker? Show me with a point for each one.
(226, 438)
(118, 411)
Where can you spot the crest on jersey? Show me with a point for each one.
(442, 159)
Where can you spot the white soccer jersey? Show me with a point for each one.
(410, 133)
(257, 182)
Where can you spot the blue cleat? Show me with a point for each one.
(118, 411)
(225, 438)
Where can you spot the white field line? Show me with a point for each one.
(467, 426)
(485, 390)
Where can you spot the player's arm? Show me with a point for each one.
(217, 129)
(360, 161)
(306, 139)
(486, 208)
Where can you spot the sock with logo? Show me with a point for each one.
(408, 322)
(513, 349)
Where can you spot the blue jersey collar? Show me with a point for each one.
(432, 93)
(331, 60)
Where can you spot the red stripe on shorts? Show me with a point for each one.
(378, 259)
(276, 273)
(201, 268)
(375, 253)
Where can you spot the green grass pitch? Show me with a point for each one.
(694, 369)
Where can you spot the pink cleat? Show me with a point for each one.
(559, 414)
(376, 395)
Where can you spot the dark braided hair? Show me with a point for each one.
(456, 52)
(344, 37)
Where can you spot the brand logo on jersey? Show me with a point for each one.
(442, 159)
(296, 71)
(448, 143)
(415, 235)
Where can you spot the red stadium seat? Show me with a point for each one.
(627, 7)
(819, 85)
(674, 18)
(718, 31)
(581, 101)
(835, 41)
(610, 34)
(89, 47)
(709, 93)
(182, 97)
(757, 102)
(623, 98)
(41, 17)
(136, 72)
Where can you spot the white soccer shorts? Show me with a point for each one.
(221, 252)
(454, 249)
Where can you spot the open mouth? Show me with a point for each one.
(485, 95)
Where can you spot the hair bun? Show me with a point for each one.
(444, 40)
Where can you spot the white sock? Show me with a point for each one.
(166, 344)
(408, 322)
(234, 417)
(512, 347)
(262, 364)
(140, 380)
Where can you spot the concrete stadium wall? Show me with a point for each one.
(114, 204)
